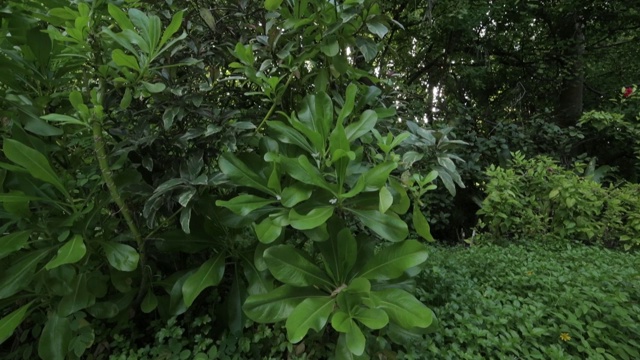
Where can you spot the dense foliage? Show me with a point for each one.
(559, 302)
(267, 173)
(537, 198)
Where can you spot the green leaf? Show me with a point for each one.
(70, 253)
(173, 27)
(121, 256)
(302, 170)
(317, 115)
(80, 298)
(243, 205)
(403, 308)
(124, 60)
(290, 266)
(208, 274)
(295, 194)
(349, 103)
(389, 226)
(13, 242)
(33, 161)
(65, 119)
(75, 98)
(377, 177)
(312, 219)
(55, 338)
(377, 28)
(104, 310)
(421, 224)
(391, 262)
(367, 122)
(372, 318)
(386, 199)
(120, 17)
(240, 173)
(339, 254)
(9, 323)
(278, 304)
(154, 88)
(341, 321)
(271, 5)
(355, 339)
(367, 47)
(290, 135)
(267, 231)
(330, 48)
(312, 313)
(20, 274)
(149, 303)
(126, 99)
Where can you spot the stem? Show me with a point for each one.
(275, 103)
(107, 176)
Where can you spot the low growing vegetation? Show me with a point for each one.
(313, 179)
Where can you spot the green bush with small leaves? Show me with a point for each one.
(516, 302)
(538, 199)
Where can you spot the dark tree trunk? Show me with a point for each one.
(570, 100)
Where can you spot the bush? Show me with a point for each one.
(518, 303)
(538, 199)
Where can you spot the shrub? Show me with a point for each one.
(536, 198)
(518, 303)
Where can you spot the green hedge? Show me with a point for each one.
(518, 303)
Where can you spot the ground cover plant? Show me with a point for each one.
(531, 302)
(261, 178)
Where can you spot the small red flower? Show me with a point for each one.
(627, 91)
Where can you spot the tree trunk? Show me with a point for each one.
(570, 100)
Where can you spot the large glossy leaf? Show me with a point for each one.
(278, 304)
(349, 103)
(120, 17)
(353, 337)
(20, 274)
(121, 256)
(302, 170)
(13, 242)
(377, 177)
(267, 231)
(11, 321)
(389, 226)
(295, 194)
(271, 5)
(372, 318)
(403, 308)
(290, 135)
(367, 121)
(421, 224)
(30, 159)
(290, 266)
(317, 113)
(240, 173)
(172, 28)
(70, 253)
(312, 313)
(391, 261)
(258, 282)
(80, 298)
(386, 199)
(208, 274)
(312, 219)
(339, 254)
(244, 204)
(54, 340)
